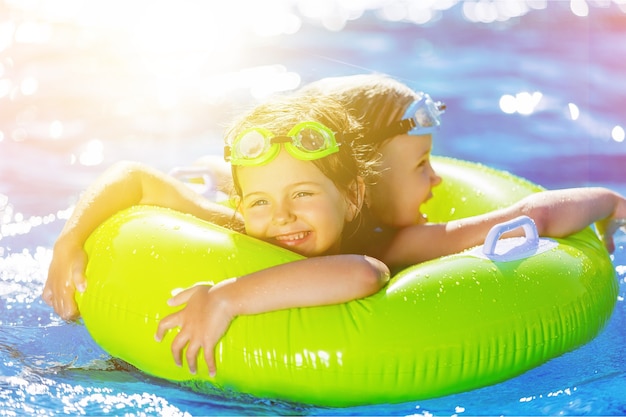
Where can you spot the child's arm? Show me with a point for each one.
(556, 213)
(123, 185)
(310, 282)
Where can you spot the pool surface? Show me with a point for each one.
(532, 87)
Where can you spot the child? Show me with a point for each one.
(298, 183)
(398, 126)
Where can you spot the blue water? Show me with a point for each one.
(84, 85)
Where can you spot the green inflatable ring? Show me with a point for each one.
(445, 326)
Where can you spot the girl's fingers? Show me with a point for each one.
(609, 243)
(46, 295)
(178, 345)
(209, 358)
(168, 322)
(64, 277)
(64, 304)
(192, 357)
(607, 229)
(183, 296)
(78, 272)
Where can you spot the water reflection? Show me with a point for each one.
(526, 103)
(522, 103)
(170, 45)
(618, 134)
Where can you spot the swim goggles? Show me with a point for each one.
(422, 117)
(257, 146)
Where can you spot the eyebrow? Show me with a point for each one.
(295, 185)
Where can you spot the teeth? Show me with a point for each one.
(295, 236)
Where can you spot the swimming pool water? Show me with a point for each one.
(539, 95)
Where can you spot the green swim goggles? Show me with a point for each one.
(306, 141)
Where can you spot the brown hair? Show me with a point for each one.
(282, 113)
(376, 100)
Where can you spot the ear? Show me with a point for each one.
(355, 198)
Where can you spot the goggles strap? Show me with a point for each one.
(404, 126)
(398, 128)
(281, 139)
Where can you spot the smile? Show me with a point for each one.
(292, 238)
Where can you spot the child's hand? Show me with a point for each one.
(66, 275)
(608, 227)
(202, 323)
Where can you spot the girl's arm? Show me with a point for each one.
(556, 213)
(123, 185)
(309, 282)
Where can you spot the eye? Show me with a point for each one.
(301, 194)
(424, 162)
(258, 203)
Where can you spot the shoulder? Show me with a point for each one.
(369, 239)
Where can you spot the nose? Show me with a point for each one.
(282, 213)
(435, 179)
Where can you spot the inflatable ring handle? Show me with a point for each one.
(531, 241)
(185, 174)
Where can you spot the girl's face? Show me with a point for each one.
(290, 203)
(406, 182)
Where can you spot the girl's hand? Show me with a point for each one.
(203, 322)
(607, 227)
(66, 275)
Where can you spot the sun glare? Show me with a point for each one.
(167, 46)
(209, 39)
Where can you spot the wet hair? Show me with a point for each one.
(281, 113)
(376, 100)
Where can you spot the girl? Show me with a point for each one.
(398, 125)
(298, 184)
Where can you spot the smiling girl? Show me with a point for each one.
(299, 182)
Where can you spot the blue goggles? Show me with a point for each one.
(422, 117)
